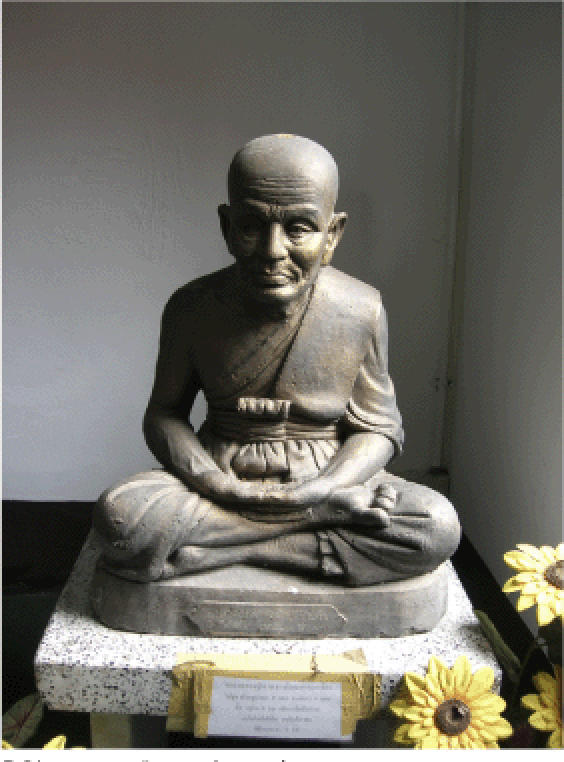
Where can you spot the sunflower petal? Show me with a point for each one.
(427, 711)
(401, 736)
(511, 586)
(432, 702)
(398, 707)
(519, 561)
(540, 721)
(414, 715)
(525, 602)
(417, 731)
(430, 742)
(462, 673)
(418, 696)
(555, 740)
(559, 552)
(530, 550)
(472, 732)
(488, 735)
(558, 607)
(482, 681)
(544, 683)
(532, 588)
(446, 681)
(524, 562)
(549, 553)
(475, 739)
(465, 741)
(531, 701)
(501, 727)
(56, 743)
(545, 615)
(435, 667)
(545, 597)
(488, 702)
(518, 580)
(433, 688)
(414, 681)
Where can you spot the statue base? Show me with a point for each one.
(244, 601)
(123, 679)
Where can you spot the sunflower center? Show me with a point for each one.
(452, 717)
(554, 574)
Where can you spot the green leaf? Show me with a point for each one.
(503, 653)
(22, 720)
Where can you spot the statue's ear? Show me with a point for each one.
(224, 220)
(336, 228)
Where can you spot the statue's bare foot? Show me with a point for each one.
(385, 497)
(363, 506)
(149, 573)
(190, 559)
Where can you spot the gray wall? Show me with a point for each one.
(506, 457)
(120, 122)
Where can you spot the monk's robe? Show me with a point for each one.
(282, 396)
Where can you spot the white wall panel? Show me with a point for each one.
(120, 122)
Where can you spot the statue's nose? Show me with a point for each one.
(273, 245)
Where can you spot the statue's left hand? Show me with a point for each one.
(299, 494)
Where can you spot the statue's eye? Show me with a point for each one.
(297, 229)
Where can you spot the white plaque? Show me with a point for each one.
(276, 709)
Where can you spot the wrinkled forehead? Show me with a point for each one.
(284, 170)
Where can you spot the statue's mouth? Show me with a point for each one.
(268, 279)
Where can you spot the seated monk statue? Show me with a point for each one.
(288, 470)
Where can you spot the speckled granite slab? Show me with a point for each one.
(81, 665)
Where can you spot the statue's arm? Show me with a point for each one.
(372, 421)
(168, 433)
(360, 456)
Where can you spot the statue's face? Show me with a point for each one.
(281, 230)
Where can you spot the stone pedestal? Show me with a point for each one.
(242, 601)
(82, 665)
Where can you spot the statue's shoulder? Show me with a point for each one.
(348, 295)
(192, 296)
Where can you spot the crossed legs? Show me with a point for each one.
(153, 527)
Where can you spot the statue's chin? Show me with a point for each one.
(277, 293)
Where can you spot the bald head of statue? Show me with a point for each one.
(280, 224)
(284, 165)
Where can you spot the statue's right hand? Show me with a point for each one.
(228, 489)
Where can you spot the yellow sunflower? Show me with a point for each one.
(450, 708)
(59, 742)
(540, 580)
(547, 705)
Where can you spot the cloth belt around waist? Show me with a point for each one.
(256, 425)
